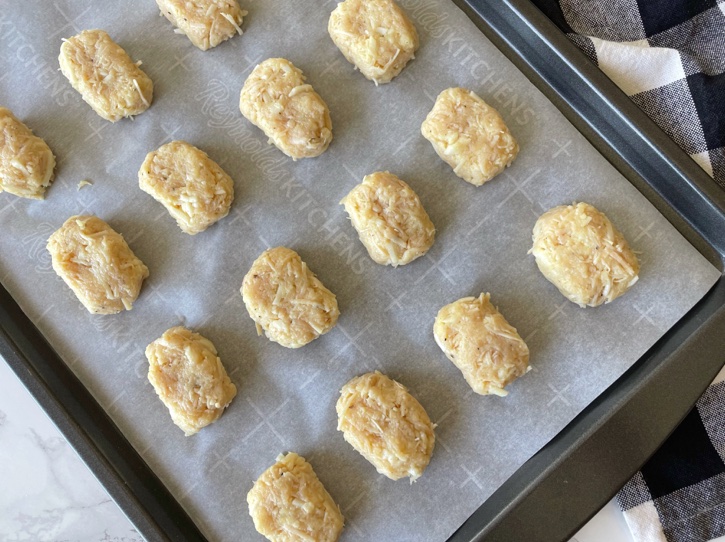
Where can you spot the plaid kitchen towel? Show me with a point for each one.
(668, 56)
(679, 495)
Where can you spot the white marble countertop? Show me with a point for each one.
(50, 495)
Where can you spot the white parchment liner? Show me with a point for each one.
(286, 398)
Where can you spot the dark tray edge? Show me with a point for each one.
(558, 490)
(615, 126)
(573, 476)
(91, 432)
(682, 185)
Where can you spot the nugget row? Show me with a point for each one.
(375, 35)
(383, 422)
(593, 264)
(576, 247)
(377, 416)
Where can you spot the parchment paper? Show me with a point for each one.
(286, 398)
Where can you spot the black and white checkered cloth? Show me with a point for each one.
(679, 495)
(668, 56)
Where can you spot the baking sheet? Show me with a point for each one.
(286, 398)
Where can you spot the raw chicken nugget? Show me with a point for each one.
(106, 77)
(288, 503)
(286, 300)
(26, 161)
(97, 264)
(189, 378)
(579, 251)
(374, 35)
(390, 219)
(296, 119)
(386, 424)
(206, 23)
(469, 135)
(482, 344)
(192, 186)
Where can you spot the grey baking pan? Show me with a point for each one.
(571, 478)
(563, 485)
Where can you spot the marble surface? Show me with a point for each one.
(48, 494)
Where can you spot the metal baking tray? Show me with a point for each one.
(574, 475)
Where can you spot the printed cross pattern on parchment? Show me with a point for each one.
(180, 62)
(87, 203)
(332, 67)
(436, 265)
(561, 148)
(644, 315)
(221, 461)
(353, 175)
(265, 420)
(405, 143)
(163, 213)
(559, 311)
(395, 301)
(478, 225)
(131, 238)
(38, 318)
(439, 429)
(70, 23)
(240, 213)
(644, 231)
(558, 395)
(519, 187)
(96, 131)
(113, 406)
(10, 205)
(153, 291)
(471, 477)
(351, 341)
(250, 64)
(335, 362)
(169, 135)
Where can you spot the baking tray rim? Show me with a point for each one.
(158, 516)
(521, 509)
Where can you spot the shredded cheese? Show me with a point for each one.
(469, 135)
(26, 161)
(143, 98)
(105, 76)
(288, 502)
(189, 378)
(204, 22)
(195, 190)
(390, 219)
(232, 22)
(478, 340)
(387, 425)
(97, 264)
(276, 99)
(375, 36)
(578, 249)
(286, 300)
